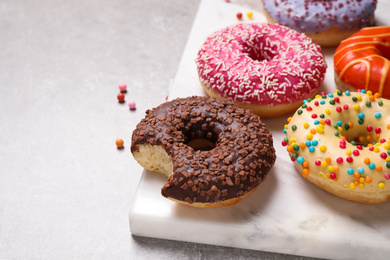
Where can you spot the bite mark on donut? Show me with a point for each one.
(242, 156)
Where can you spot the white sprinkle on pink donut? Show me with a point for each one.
(261, 64)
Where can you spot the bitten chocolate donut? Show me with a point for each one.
(213, 152)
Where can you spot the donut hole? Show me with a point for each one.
(257, 53)
(200, 136)
(201, 144)
(360, 136)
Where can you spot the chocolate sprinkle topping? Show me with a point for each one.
(239, 162)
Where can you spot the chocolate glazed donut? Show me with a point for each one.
(213, 152)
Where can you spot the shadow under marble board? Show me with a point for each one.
(286, 214)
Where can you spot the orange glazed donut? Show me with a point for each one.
(341, 143)
(361, 61)
(214, 153)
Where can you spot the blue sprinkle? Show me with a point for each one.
(371, 166)
(330, 95)
(378, 115)
(347, 93)
(350, 171)
(363, 91)
(314, 142)
(322, 102)
(305, 101)
(300, 160)
(285, 131)
(316, 122)
(339, 123)
(361, 115)
(360, 170)
(308, 143)
(312, 149)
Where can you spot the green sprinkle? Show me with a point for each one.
(346, 126)
(294, 127)
(300, 112)
(368, 103)
(361, 121)
(380, 103)
(296, 147)
(332, 102)
(336, 133)
(354, 99)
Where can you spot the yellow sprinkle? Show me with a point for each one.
(348, 152)
(388, 159)
(361, 185)
(352, 186)
(376, 150)
(324, 164)
(306, 125)
(322, 148)
(320, 129)
(309, 137)
(359, 98)
(292, 140)
(340, 129)
(327, 111)
(285, 126)
(327, 175)
(361, 138)
(377, 144)
(330, 168)
(387, 146)
(250, 15)
(369, 92)
(381, 185)
(318, 96)
(362, 179)
(356, 107)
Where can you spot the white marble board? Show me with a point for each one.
(286, 214)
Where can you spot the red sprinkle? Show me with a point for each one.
(332, 176)
(383, 155)
(369, 128)
(338, 109)
(339, 160)
(239, 16)
(378, 130)
(318, 162)
(349, 159)
(121, 97)
(356, 152)
(345, 106)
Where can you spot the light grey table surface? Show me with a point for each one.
(65, 190)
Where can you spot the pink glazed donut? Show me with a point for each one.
(268, 68)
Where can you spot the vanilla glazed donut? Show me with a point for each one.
(213, 152)
(341, 143)
(327, 22)
(362, 61)
(268, 68)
